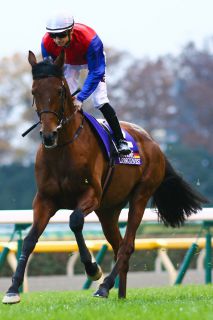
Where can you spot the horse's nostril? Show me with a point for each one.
(49, 139)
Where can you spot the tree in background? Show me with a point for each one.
(171, 97)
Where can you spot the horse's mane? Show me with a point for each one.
(45, 69)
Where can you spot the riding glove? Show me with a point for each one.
(77, 103)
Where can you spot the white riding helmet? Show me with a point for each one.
(59, 22)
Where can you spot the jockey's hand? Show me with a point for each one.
(77, 103)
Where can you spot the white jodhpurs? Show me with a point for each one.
(99, 96)
(72, 75)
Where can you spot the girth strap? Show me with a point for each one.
(111, 166)
(108, 175)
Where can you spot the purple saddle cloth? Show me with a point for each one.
(108, 142)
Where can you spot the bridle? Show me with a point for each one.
(59, 115)
(62, 120)
(47, 69)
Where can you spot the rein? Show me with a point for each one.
(76, 134)
(63, 121)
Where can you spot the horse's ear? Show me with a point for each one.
(60, 59)
(32, 58)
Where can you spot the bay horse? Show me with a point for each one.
(71, 171)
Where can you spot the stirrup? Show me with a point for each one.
(123, 147)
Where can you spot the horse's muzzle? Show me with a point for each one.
(49, 140)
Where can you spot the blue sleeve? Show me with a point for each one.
(45, 53)
(96, 67)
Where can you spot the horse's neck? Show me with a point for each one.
(70, 108)
(72, 121)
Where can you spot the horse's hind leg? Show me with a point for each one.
(121, 267)
(43, 210)
(109, 223)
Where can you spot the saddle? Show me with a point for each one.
(105, 134)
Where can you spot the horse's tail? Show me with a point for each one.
(175, 199)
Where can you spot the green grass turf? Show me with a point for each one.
(180, 302)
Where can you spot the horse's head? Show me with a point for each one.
(49, 92)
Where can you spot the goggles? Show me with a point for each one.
(59, 35)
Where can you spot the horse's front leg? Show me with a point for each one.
(87, 203)
(43, 210)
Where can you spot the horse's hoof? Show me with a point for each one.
(97, 276)
(101, 293)
(11, 298)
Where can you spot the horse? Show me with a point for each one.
(71, 171)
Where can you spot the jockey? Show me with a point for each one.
(83, 50)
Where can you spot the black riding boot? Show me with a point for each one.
(110, 115)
